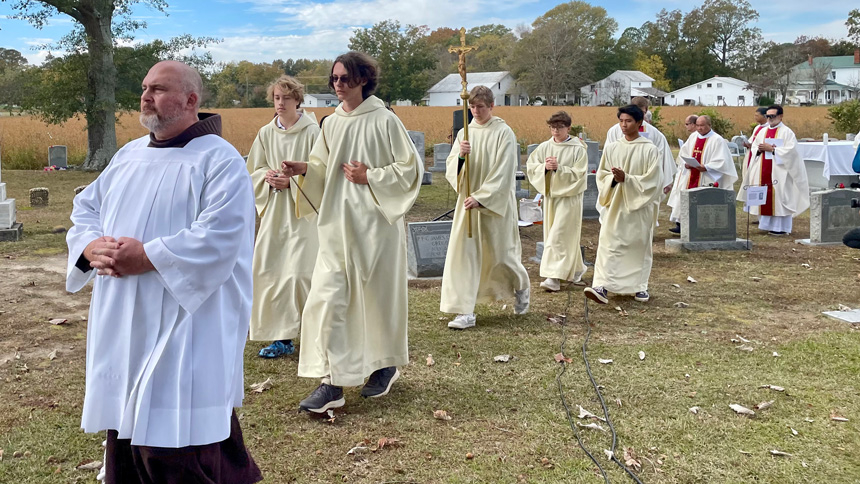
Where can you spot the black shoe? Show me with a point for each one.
(852, 239)
(774, 232)
(323, 398)
(676, 229)
(380, 382)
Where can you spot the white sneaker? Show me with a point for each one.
(462, 321)
(551, 284)
(522, 305)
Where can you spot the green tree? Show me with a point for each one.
(725, 27)
(558, 53)
(495, 47)
(12, 65)
(853, 24)
(404, 57)
(98, 24)
(652, 65)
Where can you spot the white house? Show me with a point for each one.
(619, 87)
(716, 91)
(505, 89)
(840, 76)
(320, 101)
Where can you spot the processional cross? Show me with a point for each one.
(461, 51)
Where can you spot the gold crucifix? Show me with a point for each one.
(461, 51)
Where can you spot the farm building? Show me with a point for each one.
(505, 89)
(320, 101)
(619, 87)
(716, 91)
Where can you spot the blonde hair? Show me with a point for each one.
(289, 86)
(481, 93)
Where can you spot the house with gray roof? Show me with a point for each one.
(619, 88)
(320, 101)
(506, 92)
(825, 80)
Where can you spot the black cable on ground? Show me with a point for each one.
(596, 389)
(561, 393)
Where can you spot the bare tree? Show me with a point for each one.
(818, 73)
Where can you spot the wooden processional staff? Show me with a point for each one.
(461, 51)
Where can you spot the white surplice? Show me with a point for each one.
(717, 160)
(164, 348)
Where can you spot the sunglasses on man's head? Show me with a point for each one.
(343, 79)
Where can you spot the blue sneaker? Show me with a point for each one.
(278, 348)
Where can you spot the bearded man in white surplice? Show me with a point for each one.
(169, 226)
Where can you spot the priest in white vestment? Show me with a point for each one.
(777, 165)
(363, 175)
(761, 120)
(169, 226)
(488, 266)
(714, 166)
(629, 180)
(286, 246)
(557, 169)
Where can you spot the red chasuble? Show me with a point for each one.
(695, 175)
(766, 178)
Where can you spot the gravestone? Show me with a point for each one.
(593, 150)
(427, 246)
(80, 189)
(39, 197)
(58, 156)
(417, 138)
(708, 221)
(440, 156)
(831, 216)
(427, 179)
(589, 198)
(10, 230)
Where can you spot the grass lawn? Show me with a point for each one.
(507, 416)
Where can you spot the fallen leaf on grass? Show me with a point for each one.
(780, 453)
(630, 459)
(90, 466)
(430, 360)
(740, 409)
(504, 306)
(57, 321)
(755, 278)
(470, 456)
(690, 279)
(695, 410)
(808, 420)
(385, 441)
(331, 418)
(676, 286)
(793, 432)
(746, 348)
(441, 415)
(805, 266)
(764, 405)
(743, 340)
(609, 454)
(261, 387)
(1, 455)
(604, 361)
(583, 413)
(502, 358)
(592, 426)
(843, 307)
(774, 388)
(358, 449)
(559, 357)
(837, 418)
(775, 354)
(618, 401)
(681, 304)
(804, 464)
(621, 311)
(546, 463)
(553, 320)
(52, 355)
(641, 355)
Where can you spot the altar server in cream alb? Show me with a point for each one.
(363, 175)
(488, 266)
(286, 246)
(558, 170)
(629, 181)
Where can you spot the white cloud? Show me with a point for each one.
(323, 44)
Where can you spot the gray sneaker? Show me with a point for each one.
(522, 305)
(380, 382)
(325, 397)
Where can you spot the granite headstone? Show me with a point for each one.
(39, 197)
(708, 221)
(427, 247)
(58, 156)
(831, 216)
(440, 156)
(589, 198)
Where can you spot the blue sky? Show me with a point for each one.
(264, 30)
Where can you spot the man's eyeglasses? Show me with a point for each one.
(771, 116)
(343, 79)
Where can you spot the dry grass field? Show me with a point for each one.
(24, 140)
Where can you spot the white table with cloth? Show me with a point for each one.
(828, 164)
